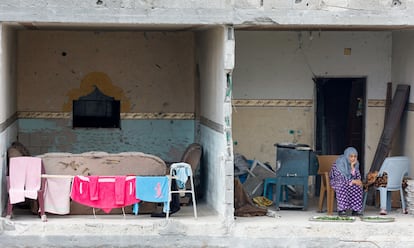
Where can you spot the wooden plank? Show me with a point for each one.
(392, 121)
(388, 101)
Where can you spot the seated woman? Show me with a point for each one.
(345, 179)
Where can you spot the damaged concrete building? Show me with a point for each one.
(233, 76)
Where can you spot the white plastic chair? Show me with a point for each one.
(175, 174)
(396, 168)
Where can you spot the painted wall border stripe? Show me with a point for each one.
(376, 103)
(124, 116)
(290, 103)
(272, 103)
(293, 103)
(184, 116)
(381, 103)
(410, 107)
(8, 122)
(211, 124)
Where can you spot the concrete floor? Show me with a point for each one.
(288, 228)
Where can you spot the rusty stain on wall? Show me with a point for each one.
(105, 85)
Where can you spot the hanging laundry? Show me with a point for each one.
(25, 173)
(152, 189)
(57, 195)
(181, 174)
(106, 191)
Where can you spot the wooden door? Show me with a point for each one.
(355, 128)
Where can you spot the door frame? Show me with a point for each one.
(320, 147)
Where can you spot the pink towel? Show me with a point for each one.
(25, 173)
(57, 195)
(107, 192)
(93, 188)
(120, 190)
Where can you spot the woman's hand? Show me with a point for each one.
(353, 163)
(357, 182)
(353, 159)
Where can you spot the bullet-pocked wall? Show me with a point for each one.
(274, 91)
(152, 74)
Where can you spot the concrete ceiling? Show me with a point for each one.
(109, 27)
(192, 27)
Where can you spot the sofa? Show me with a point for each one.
(104, 164)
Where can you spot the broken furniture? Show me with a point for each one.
(396, 168)
(325, 165)
(257, 175)
(241, 166)
(181, 172)
(297, 163)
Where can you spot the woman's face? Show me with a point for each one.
(352, 158)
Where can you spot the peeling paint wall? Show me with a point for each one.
(257, 129)
(151, 73)
(147, 71)
(7, 136)
(403, 59)
(7, 72)
(164, 138)
(373, 126)
(8, 124)
(106, 86)
(274, 91)
(218, 170)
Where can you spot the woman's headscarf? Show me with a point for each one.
(343, 164)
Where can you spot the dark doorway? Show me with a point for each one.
(340, 116)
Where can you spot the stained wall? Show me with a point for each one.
(151, 73)
(8, 124)
(402, 73)
(274, 92)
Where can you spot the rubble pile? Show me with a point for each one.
(410, 196)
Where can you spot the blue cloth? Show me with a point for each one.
(343, 165)
(182, 174)
(152, 189)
